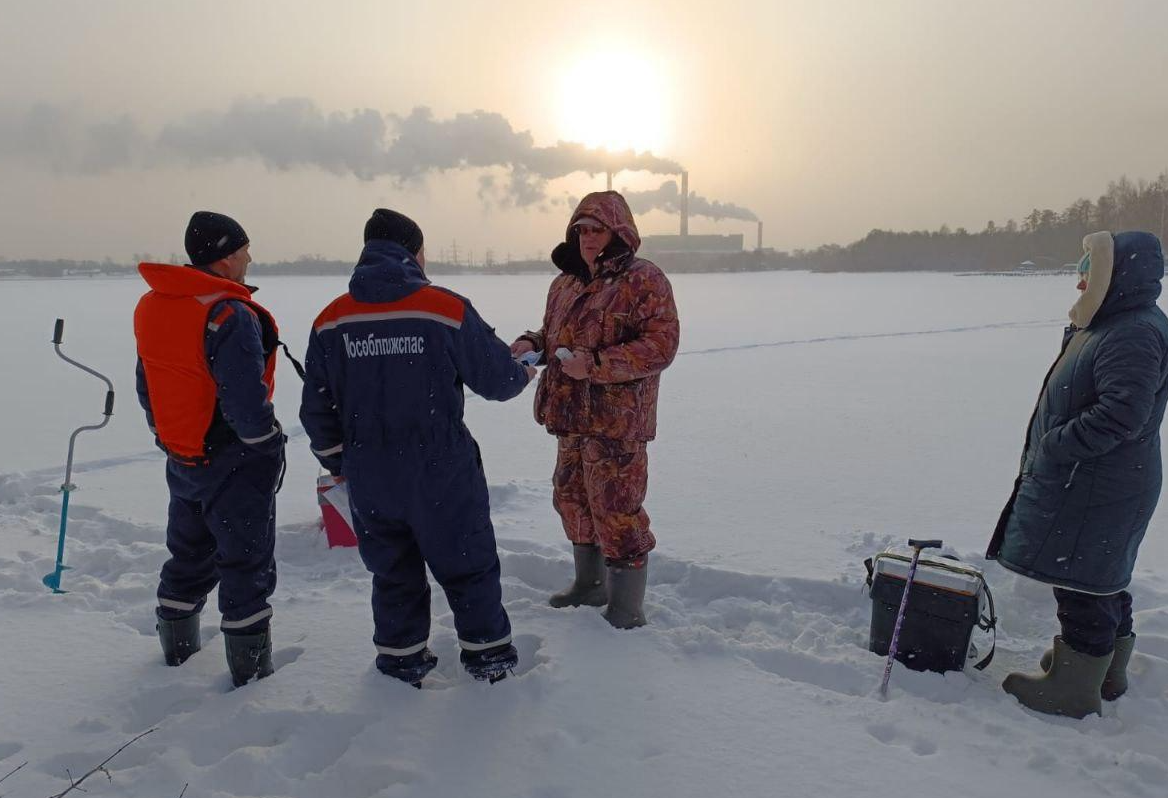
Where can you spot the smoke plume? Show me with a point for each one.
(294, 133)
(668, 198)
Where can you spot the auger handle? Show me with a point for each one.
(59, 331)
(924, 544)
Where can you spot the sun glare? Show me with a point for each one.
(617, 100)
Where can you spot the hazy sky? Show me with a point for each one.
(826, 119)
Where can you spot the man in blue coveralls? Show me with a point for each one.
(383, 407)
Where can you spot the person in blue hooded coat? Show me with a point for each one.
(1091, 474)
(383, 408)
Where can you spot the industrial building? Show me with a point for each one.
(695, 244)
(685, 244)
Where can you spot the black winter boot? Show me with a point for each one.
(588, 586)
(1115, 681)
(491, 665)
(411, 668)
(1071, 686)
(179, 637)
(249, 656)
(626, 593)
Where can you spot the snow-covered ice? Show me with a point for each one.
(809, 421)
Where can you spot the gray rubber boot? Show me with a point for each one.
(588, 586)
(1071, 686)
(179, 637)
(626, 595)
(1115, 681)
(249, 656)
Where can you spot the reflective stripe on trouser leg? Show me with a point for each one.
(401, 592)
(189, 574)
(236, 494)
(454, 532)
(484, 646)
(244, 623)
(182, 606)
(401, 652)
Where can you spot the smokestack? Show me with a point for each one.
(609, 180)
(760, 235)
(685, 203)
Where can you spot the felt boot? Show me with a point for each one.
(588, 586)
(179, 637)
(626, 594)
(249, 656)
(1071, 687)
(1115, 681)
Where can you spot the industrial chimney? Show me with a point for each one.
(609, 175)
(760, 235)
(685, 204)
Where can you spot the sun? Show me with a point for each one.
(615, 99)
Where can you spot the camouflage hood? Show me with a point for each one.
(610, 209)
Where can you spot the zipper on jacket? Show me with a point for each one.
(1071, 478)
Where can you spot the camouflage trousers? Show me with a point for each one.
(598, 489)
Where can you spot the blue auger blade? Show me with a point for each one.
(53, 580)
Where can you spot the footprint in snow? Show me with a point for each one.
(151, 707)
(889, 734)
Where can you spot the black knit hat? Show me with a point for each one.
(396, 227)
(213, 236)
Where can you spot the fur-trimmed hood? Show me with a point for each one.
(1126, 270)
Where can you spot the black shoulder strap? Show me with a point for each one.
(989, 624)
(295, 363)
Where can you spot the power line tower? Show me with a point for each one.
(454, 252)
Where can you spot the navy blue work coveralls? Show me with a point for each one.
(221, 526)
(383, 406)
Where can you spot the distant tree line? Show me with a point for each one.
(1046, 238)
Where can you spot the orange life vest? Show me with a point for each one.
(170, 323)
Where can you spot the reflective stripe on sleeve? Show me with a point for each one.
(261, 439)
(328, 452)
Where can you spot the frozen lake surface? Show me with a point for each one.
(808, 421)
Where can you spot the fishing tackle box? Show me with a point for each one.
(948, 600)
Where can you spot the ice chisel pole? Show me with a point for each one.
(53, 580)
(917, 545)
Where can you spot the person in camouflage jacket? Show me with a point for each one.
(609, 330)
